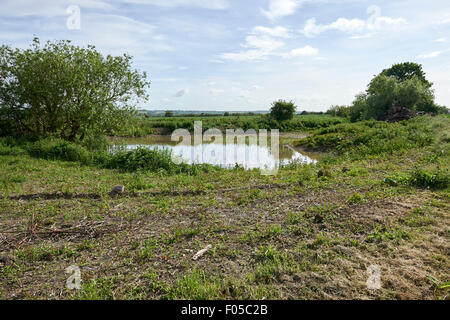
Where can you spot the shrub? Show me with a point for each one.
(283, 110)
(154, 160)
(141, 159)
(57, 149)
(7, 150)
(96, 143)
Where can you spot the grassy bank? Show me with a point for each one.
(380, 197)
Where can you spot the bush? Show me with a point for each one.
(96, 143)
(141, 159)
(283, 110)
(57, 149)
(144, 159)
(8, 150)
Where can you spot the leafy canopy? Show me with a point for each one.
(401, 86)
(65, 90)
(406, 71)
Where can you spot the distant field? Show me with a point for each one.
(144, 126)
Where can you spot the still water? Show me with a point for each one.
(247, 155)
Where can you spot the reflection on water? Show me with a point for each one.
(249, 156)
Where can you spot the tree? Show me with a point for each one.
(414, 92)
(168, 114)
(403, 85)
(283, 110)
(69, 91)
(406, 71)
(380, 97)
(358, 107)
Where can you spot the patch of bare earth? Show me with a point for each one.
(335, 268)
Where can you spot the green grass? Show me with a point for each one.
(376, 138)
(296, 235)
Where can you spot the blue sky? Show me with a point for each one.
(242, 55)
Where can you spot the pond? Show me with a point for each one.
(246, 155)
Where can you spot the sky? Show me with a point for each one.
(234, 55)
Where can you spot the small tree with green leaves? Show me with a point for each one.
(68, 91)
(283, 110)
(401, 86)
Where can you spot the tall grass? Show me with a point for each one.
(374, 137)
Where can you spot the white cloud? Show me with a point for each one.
(281, 8)
(312, 29)
(431, 55)
(207, 4)
(441, 40)
(181, 93)
(249, 55)
(278, 31)
(306, 51)
(355, 26)
(261, 43)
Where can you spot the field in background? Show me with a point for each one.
(155, 125)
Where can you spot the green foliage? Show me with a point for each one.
(283, 110)
(436, 179)
(57, 149)
(380, 98)
(355, 198)
(401, 86)
(8, 150)
(96, 143)
(154, 160)
(406, 71)
(64, 90)
(374, 137)
(430, 180)
(141, 159)
(168, 114)
(339, 111)
(383, 233)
